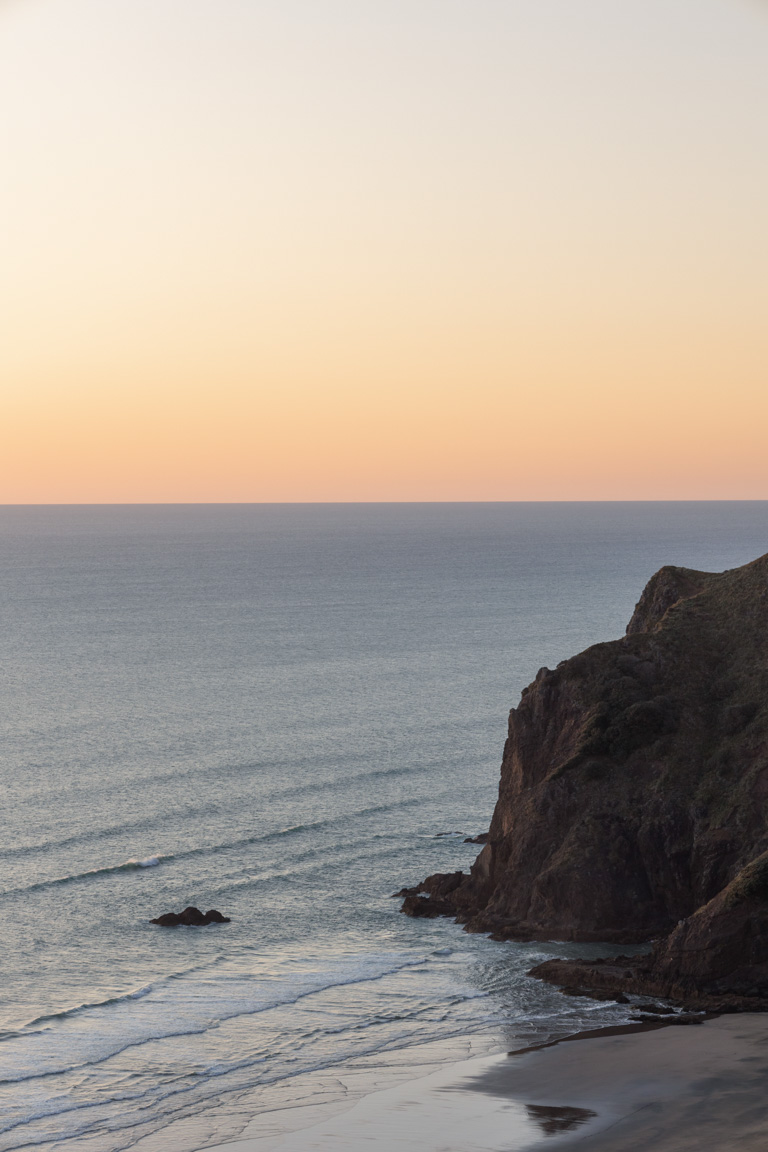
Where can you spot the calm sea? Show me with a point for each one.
(286, 713)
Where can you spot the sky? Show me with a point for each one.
(363, 250)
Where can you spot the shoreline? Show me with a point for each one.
(262, 1115)
(624, 1089)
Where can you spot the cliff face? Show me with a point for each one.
(716, 959)
(634, 784)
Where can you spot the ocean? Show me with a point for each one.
(287, 713)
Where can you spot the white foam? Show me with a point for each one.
(93, 1032)
(137, 995)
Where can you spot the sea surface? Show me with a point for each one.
(286, 713)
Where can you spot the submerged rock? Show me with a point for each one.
(633, 797)
(191, 917)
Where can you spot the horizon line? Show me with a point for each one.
(370, 503)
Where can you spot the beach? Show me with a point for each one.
(671, 1089)
(384, 576)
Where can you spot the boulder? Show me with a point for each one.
(191, 917)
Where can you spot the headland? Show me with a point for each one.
(633, 801)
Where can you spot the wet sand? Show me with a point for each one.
(700, 1088)
(676, 1089)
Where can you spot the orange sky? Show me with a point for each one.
(346, 250)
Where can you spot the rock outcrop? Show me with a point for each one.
(716, 959)
(190, 918)
(633, 800)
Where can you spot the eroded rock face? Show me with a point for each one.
(191, 917)
(724, 944)
(716, 959)
(634, 786)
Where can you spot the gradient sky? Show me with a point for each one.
(395, 250)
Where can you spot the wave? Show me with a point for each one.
(215, 849)
(159, 1103)
(94, 836)
(90, 837)
(66, 1013)
(210, 849)
(132, 1106)
(135, 1105)
(134, 865)
(196, 811)
(40, 1049)
(108, 869)
(333, 857)
(32, 1026)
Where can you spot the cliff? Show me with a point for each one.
(634, 791)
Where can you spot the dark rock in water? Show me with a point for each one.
(481, 839)
(191, 918)
(212, 916)
(633, 798)
(420, 906)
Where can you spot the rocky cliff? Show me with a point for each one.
(633, 800)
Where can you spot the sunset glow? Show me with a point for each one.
(346, 250)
